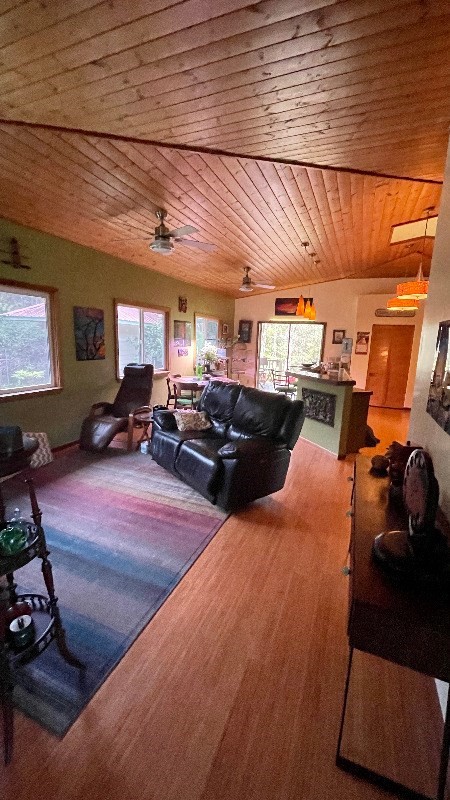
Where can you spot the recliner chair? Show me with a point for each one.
(105, 420)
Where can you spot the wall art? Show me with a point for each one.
(338, 335)
(319, 406)
(183, 351)
(245, 331)
(89, 329)
(182, 333)
(182, 304)
(438, 405)
(362, 342)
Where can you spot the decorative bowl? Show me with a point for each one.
(308, 365)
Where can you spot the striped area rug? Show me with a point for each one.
(121, 532)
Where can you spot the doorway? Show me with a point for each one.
(388, 368)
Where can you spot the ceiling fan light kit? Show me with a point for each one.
(163, 243)
(248, 285)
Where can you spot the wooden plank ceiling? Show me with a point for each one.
(362, 85)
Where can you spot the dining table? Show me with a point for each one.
(202, 382)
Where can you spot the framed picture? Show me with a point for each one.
(362, 342)
(182, 304)
(89, 330)
(438, 405)
(338, 335)
(183, 351)
(182, 333)
(286, 306)
(225, 329)
(245, 331)
(347, 345)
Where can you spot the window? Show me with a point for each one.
(27, 342)
(141, 336)
(206, 332)
(286, 346)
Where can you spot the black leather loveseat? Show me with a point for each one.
(245, 453)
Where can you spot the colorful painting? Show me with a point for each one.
(286, 306)
(89, 329)
(438, 405)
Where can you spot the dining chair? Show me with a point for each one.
(185, 394)
(171, 390)
(282, 384)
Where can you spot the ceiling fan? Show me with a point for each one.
(163, 242)
(248, 285)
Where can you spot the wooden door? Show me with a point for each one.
(389, 358)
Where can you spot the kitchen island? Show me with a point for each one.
(336, 411)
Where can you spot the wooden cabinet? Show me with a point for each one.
(407, 625)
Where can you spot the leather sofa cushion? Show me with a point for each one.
(199, 464)
(218, 400)
(258, 413)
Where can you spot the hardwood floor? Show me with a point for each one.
(234, 690)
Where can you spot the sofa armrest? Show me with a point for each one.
(164, 419)
(246, 448)
(98, 409)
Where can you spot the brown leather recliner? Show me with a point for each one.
(105, 420)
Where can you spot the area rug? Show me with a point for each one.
(121, 532)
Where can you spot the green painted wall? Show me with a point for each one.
(85, 277)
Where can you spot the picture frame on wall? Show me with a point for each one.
(245, 331)
(338, 335)
(362, 342)
(89, 330)
(182, 333)
(225, 329)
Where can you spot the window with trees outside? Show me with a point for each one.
(28, 358)
(206, 333)
(142, 336)
(286, 346)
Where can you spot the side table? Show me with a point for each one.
(405, 624)
(43, 606)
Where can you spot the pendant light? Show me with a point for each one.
(300, 311)
(417, 289)
(402, 304)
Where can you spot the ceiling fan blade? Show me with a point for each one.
(246, 288)
(206, 246)
(184, 231)
(264, 285)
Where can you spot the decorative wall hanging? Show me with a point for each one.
(183, 351)
(245, 331)
(286, 306)
(438, 405)
(182, 333)
(182, 304)
(225, 329)
(89, 329)
(319, 406)
(362, 342)
(338, 335)
(15, 259)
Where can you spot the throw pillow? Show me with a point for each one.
(192, 420)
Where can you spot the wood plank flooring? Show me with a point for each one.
(234, 690)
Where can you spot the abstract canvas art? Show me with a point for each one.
(89, 329)
(438, 405)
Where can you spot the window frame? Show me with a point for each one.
(142, 307)
(211, 318)
(53, 338)
(285, 322)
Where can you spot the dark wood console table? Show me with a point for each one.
(407, 625)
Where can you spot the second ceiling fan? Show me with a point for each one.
(248, 285)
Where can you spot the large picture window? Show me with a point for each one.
(206, 332)
(27, 340)
(286, 346)
(141, 336)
